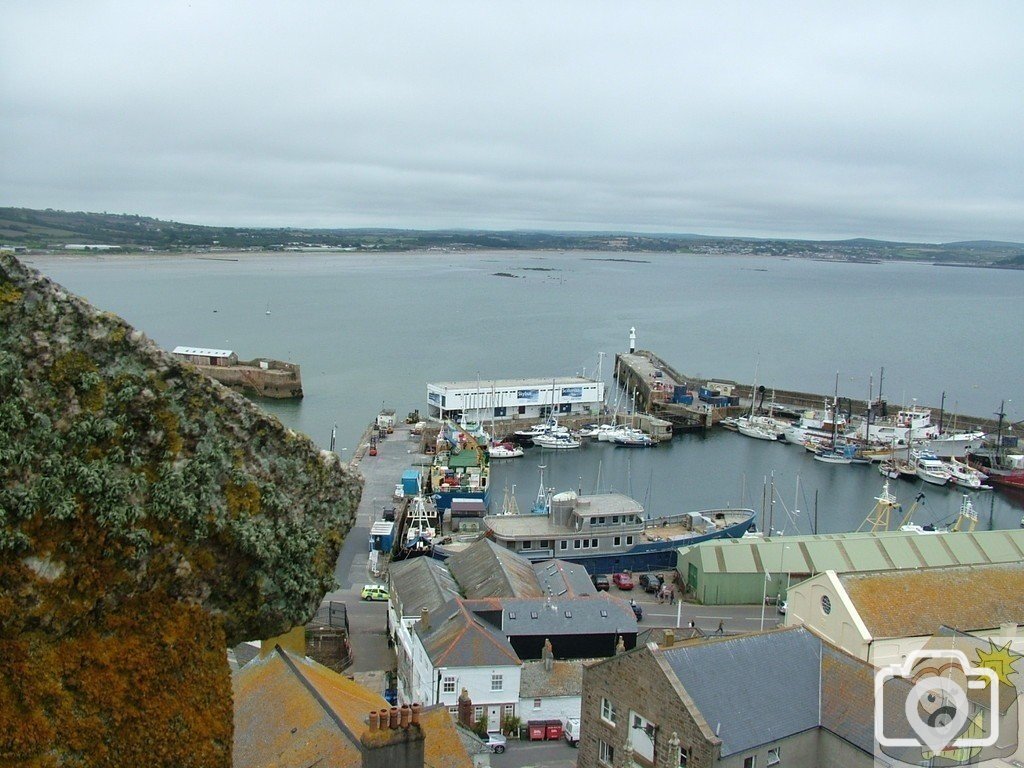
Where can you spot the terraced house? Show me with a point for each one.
(780, 698)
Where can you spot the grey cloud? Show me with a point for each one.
(745, 118)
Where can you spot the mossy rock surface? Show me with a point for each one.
(149, 517)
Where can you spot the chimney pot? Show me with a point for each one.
(393, 718)
(416, 714)
(405, 716)
(374, 720)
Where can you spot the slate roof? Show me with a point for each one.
(597, 615)
(420, 582)
(457, 638)
(484, 569)
(734, 682)
(564, 679)
(915, 603)
(290, 712)
(559, 578)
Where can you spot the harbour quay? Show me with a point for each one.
(693, 402)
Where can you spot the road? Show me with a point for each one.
(368, 620)
(524, 754)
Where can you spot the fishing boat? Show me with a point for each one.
(816, 424)
(953, 444)
(548, 427)
(421, 528)
(605, 533)
(907, 425)
(460, 469)
(1002, 465)
(557, 441)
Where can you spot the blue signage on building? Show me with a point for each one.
(530, 395)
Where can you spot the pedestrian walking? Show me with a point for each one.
(671, 595)
(721, 627)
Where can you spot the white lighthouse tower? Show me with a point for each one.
(632, 340)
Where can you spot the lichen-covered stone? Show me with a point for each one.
(148, 518)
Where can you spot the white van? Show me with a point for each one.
(571, 731)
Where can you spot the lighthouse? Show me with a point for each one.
(632, 340)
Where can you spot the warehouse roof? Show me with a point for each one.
(854, 552)
(483, 569)
(597, 615)
(559, 578)
(915, 603)
(202, 352)
(420, 582)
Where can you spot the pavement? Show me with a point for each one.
(525, 754)
(368, 620)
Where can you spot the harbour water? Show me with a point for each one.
(372, 329)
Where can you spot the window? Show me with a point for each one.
(593, 543)
(454, 712)
(605, 753)
(508, 710)
(496, 681)
(527, 544)
(575, 543)
(629, 540)
(478, 712)
(608, 713)
(563, 544)
(826, 605)
(448, 685)
(684, 757)
(545, 544)
(537, 703)
(750, 762)
(618, 541)
(773, 756)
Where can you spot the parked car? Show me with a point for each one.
(601, 583)
(495, 742)
(637, 610)
(651, 582)
(623, 580)
(571, 731)
(375, 592)
(783, 607)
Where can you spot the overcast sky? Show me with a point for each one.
(895, 120)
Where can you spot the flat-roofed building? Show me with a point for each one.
(509, 399)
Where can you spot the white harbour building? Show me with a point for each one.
(511, 399)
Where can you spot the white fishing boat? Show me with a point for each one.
(907, 425)
(548, 427)
(953, 444)
(557, 440)
(816, 424)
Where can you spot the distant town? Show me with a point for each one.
(24, 230)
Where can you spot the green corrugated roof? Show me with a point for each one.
(853, 552)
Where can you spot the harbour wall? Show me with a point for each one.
(261, 377)
(640, 370)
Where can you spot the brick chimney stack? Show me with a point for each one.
(424, 619)
(394, 738)
(466, 718)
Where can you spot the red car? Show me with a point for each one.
(623, 580)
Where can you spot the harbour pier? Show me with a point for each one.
(657, 385)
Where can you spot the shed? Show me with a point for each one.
(746, 570)
(411, 482)
(382, 536)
